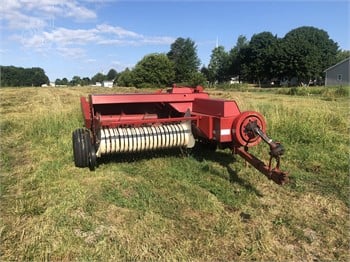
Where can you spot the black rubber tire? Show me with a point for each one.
(92, 158)
(81, 147)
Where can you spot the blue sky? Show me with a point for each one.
(83, 37)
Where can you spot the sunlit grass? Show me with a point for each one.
(167, 206)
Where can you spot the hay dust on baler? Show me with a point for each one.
(179, 117)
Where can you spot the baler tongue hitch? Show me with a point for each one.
(276, 151)
(176, 118)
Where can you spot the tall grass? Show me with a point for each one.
(328, 93)
(164, 205)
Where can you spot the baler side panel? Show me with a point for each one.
(223, 129)
(215, 107)
(85, 108)
(216, 117)
(182, 107)
(146, 98)
(205, 127)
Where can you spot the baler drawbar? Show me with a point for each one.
(178, 117)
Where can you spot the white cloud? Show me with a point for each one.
(90, 60)
(71, 52)
(8, 5)
(73, 43)
(158, 40)
(116, 30)
(18, 20)
(101, 34)
(31, 23)
(35, 14)
(78, 11)
(64, 36)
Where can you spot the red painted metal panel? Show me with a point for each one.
(218, 128)
(215, 107)
(226, 129)
(182, 90)
(240, 135)
(274, 174)
(182, 107)
(205, 124)
(146, 98)
(85, 108)
(135, 117)
(110, 122)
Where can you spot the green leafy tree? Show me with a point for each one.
(197, 78)
(99, 77)
(259, 57)
(64, 81)
(207, 74)
(85, 81)
(125, 78)
(308, 52)
(10, 75)
(236, 56)
(112, 74)
(183, 54)
(58, 82)
(76, 80)
(19, 76)
(154, 70)
(38, 76)
(341, 55)
(219, 65)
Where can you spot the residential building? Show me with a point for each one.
(338, 74)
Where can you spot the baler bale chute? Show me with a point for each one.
(176, 118)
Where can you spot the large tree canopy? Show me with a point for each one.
(99, 77)
(112, 74)
(308, 52)
(19, 76)
(219, 65)
(304, 53)
(236, 56)
(259, 57)
(125, 78)
(183, 54)
(153, 70)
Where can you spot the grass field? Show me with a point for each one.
(208, 206)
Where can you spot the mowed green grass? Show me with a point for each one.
(167, 206)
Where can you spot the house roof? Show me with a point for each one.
(346, 59)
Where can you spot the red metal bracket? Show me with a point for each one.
(275, 174)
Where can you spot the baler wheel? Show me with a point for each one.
(82, 148)
(92, 157)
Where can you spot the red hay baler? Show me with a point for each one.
(178, 117)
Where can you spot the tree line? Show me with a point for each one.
(84, 81)
(301, 56)
(19, 76)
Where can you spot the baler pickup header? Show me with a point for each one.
(179, 117)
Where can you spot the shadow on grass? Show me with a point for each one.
(137, 156)
(199, 153)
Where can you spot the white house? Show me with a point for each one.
(338, 74)
(234, 80)
(107, 84)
